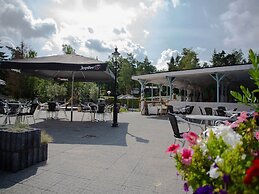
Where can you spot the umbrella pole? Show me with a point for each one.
(72, 96)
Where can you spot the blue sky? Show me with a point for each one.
(158, 29)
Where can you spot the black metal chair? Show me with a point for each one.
(100, 111)
(3, 112)
(222, 108)
(30, 113)
(93, 111)
(187, 110)
(178, 135)
(201, 111)
(221, 112)
(208, 110)
(52, 108)
(85, 108)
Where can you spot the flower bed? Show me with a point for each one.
(223, 160)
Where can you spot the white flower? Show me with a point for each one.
(213, 172)
(228, 135)
(243, 157)
(218, 160)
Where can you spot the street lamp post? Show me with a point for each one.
(115, 55)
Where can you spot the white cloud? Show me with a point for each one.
(166, 56)
(146, 33)
(18, 20)
(241, 23)
(98, 45)
(175, 3)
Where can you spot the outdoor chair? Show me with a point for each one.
(4, 112)
(93, 111)
(222, 108)
(108, 111)
(52, 109)
(208, 110)
(30, 113)
(221, 112)
(85, 108)
(187, 110)
(63, 108)
(100, 111)
(13, 109)
(178, 135)
(201, 111)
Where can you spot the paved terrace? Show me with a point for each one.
(93, 157)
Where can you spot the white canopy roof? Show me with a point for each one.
(238, 74)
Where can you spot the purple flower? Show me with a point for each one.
(226, 178)
(207, 189)
(223, 192)
(186, 187)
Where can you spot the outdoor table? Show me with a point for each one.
(206, 118)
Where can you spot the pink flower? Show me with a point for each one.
(191, 137)
(256, 114)
(234, 124)
(227, 123)
(257, 135)
(187, 156)
(242, 117)
(173, 148)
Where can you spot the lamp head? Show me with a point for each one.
(116, 54)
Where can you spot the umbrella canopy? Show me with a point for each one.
(59, 67)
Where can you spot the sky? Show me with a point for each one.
(158, 29)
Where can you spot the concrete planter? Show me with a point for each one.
(19, 150)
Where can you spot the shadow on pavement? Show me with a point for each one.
(9, 179)
(86, 132)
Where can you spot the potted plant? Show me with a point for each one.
(22, 146)
(224, 159)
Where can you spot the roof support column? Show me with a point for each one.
(170, 81)
(143, 84)
(72, 95)
(217, 77)
(160, 87)
(152, 92)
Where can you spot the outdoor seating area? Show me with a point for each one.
(93, 157)
(13, 112)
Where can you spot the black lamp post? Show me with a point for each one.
(115, 55)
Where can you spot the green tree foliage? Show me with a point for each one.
(18, 85)
(223, 59)
(124, 78)
(145, 67)
(189, 59)
(68, 49)
(173, 65)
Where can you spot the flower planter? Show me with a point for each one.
(19, 150)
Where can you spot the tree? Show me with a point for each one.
(223, 59)
(124, 77)
(68, 49)
(145, 67)
(173, 65)
(16, 83)
(189, 59)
